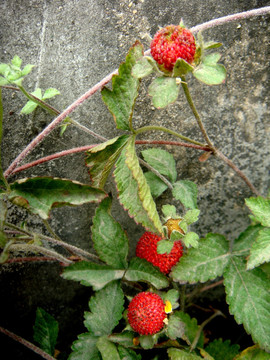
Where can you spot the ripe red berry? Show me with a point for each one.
(171, 43)
(147, 249)
(146, 313)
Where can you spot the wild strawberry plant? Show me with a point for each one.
(139, 303)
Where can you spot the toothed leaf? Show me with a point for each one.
(249, 299)
(121, 99)
(260, 208)
(107, 349)
(164, 91)
(85, 348)
(260, 250)
(110, 240)
(206, 262)
(186, 191)
(222, 350)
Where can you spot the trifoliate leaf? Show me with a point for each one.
(222, 350)
(90, 274)
(106, 308)
(260, 207)
(157, 186)
(101, 159)
(107, 349)
(206, 262)
(141, 270)
(40, 194)
(260, 250)
(134, 192)
(85, 348)
(121, 99)
(249, 299)
(162, 161)
(186, 191)
(45, 331)
(164, 91)
(110, 240)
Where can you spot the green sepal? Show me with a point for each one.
(181, 67)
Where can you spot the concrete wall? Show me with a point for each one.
(74, 44)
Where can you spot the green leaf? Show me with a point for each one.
(164, 246)
(27, 69)
(184, 327)
(121, 99)
(29, 107)
(40, 194)
(164, 91)
(169, 211)
(128, 354)
(252, 353)
(177, 354)
(244, 242)
(181, 67)
(148, 341)
(107, 349)
(110, 241)
(106, 308)
(191, 239)
(157, 186)
(16, 61)
(211, 45)
(191, 216)
(209, 72)
(101, 159)
(206, 262)
(142, 270)
(85, 348)
(45, 331)
(249, 300)
(3, 81)
(4, 68)
(125, 338)
(162, 161)
(260, 250)
(142, 68)
(186, 191)
(90, 274)
(134, 192)
(37, 93)
(49, 93)
(222, 350)
(260, 208)
(172, 296)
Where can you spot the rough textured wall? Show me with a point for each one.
(74, 44)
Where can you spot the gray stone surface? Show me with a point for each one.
(74, 44)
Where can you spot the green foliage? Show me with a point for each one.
(101, 159)
(121, 99)
(178, 354)
(40, 194)
(12, 73)
(134, 192)
(143, 67)
(209, 71)
(249, 299)
(45, 331)
(106, 308)
(186, 192)
(164, 246)
(181, 67)
(164, 91)
(260, 208)
(85, 348)
(245, 240)
(142, 270)
(206, 262)
(222, 350)
(253, 353)
(31, 105)
(156, 185)
(162, 161)
(260, 250)
(90, 274)
(127, 354)
(107, 349)
(110, 241)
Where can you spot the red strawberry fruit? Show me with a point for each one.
(146, 313)
(171, 43)
(147, 249)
